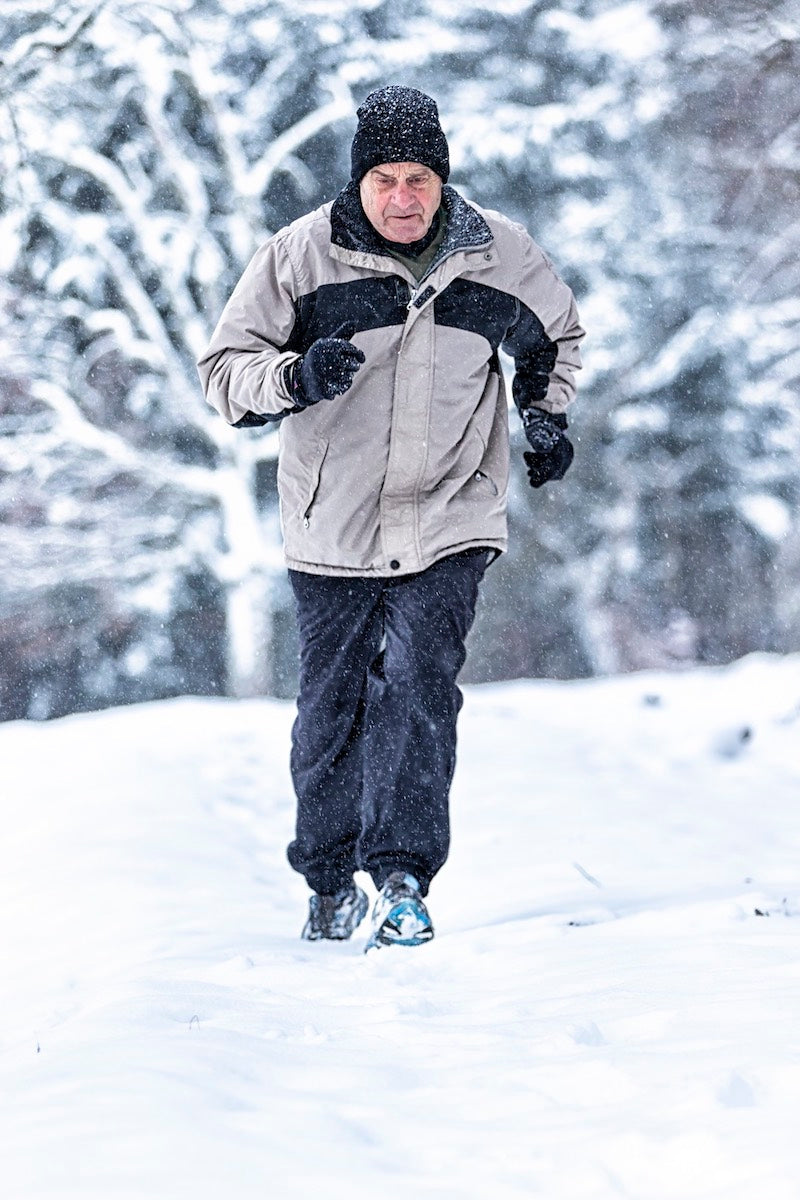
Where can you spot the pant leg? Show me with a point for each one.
(340, 623)
(412, 706)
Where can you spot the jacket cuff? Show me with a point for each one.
(293, 387)
(532, 416)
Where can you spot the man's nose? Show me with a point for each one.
(403, 196)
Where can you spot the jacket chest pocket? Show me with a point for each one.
(313, 482)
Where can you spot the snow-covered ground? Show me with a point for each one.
(603, 1013)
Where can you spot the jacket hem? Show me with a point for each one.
(491, 543)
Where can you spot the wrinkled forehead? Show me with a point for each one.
(399, 170)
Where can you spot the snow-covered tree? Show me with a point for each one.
(146, 147)
(705, 429)
(651, 146)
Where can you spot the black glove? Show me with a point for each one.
(327, 368)
(551, 451)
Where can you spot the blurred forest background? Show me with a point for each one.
(652, 147)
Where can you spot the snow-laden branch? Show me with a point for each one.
(257, 179)
(695, 337)
(81, 157)
(53, 39)
(227, 487)
(768, 259)
(182, 167)
(51, 557)
(75, 427)
(134, 293)
(188, 236)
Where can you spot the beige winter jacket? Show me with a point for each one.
(411, 463)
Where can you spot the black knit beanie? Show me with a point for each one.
(399, 124)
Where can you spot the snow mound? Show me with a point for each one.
(609, 1007)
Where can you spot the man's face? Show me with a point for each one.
(401, 199)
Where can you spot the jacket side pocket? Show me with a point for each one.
(481, 476)
(313, 483)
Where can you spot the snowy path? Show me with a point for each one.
(602, 1013)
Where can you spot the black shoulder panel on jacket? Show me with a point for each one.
(370, 303)
(476, 308)
(504, 321)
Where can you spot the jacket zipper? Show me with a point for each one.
(417, 298)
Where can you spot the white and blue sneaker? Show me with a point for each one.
(334, 918)
(400, 917)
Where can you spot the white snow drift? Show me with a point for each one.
(611, 1007)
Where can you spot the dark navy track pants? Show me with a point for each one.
(374, 742)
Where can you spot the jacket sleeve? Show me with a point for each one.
(242, 371)
(545, 337)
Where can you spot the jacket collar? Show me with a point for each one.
(350, 229)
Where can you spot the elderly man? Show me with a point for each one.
(371, 328)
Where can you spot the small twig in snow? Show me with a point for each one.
(587, 876)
